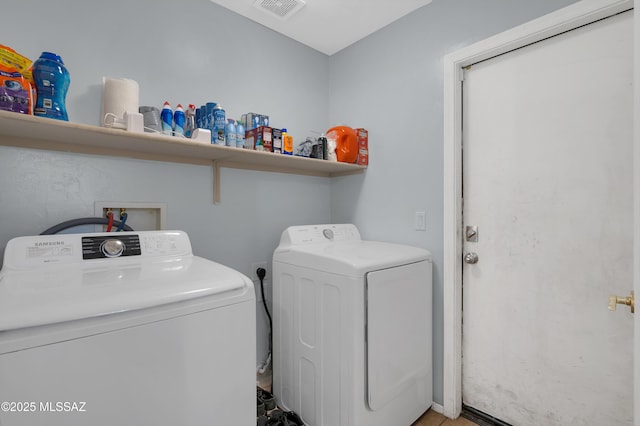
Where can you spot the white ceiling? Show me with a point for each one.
(327, 25)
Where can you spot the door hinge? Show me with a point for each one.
(463, 72)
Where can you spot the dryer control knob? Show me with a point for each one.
(112, 248)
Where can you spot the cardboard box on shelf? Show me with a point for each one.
(276, 135)
(259, 139)
(251, 120)
(362, 135)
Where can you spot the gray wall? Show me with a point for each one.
(188, 51)
(392, 84)
(193, 51)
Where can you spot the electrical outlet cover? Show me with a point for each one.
(254, 267)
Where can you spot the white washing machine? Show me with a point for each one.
(123, 329)
(352, 328)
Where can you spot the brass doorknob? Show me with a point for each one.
(617, 300)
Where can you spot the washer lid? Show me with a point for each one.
(71, 292)
(350, 258)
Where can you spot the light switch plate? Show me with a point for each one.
(421, 221)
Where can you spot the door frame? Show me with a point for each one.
(578, 14)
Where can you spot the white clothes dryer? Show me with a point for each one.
(125, 328)
(352, 338)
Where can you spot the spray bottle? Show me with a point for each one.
(178, 118)
(190, 123)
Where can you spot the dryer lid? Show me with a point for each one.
(54, 292)
(338, 249)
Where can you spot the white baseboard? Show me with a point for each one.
(437, 408)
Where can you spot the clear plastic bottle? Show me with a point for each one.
(230, 133)
(52, 83)
(239, 134)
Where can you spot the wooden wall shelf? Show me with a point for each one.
(28, 131)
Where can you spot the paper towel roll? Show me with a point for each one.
(118, 96)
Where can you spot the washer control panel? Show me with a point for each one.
(102, 246)
(41, 251)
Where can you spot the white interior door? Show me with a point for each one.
(636, 209)
(547, 179)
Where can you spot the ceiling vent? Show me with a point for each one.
(281, 9)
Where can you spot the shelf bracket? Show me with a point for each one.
(216, 182)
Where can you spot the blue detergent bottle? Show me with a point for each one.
(198, 124)
(209, 122)
(219, 124)
(52, 83)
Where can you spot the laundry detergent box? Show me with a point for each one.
(267, 139)
(16, 92)
(252, 139)
(259, 139)
(251, 120)
(362, 136)
(277, 140)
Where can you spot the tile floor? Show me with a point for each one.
(431, 418)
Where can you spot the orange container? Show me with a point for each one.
(346, 143)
